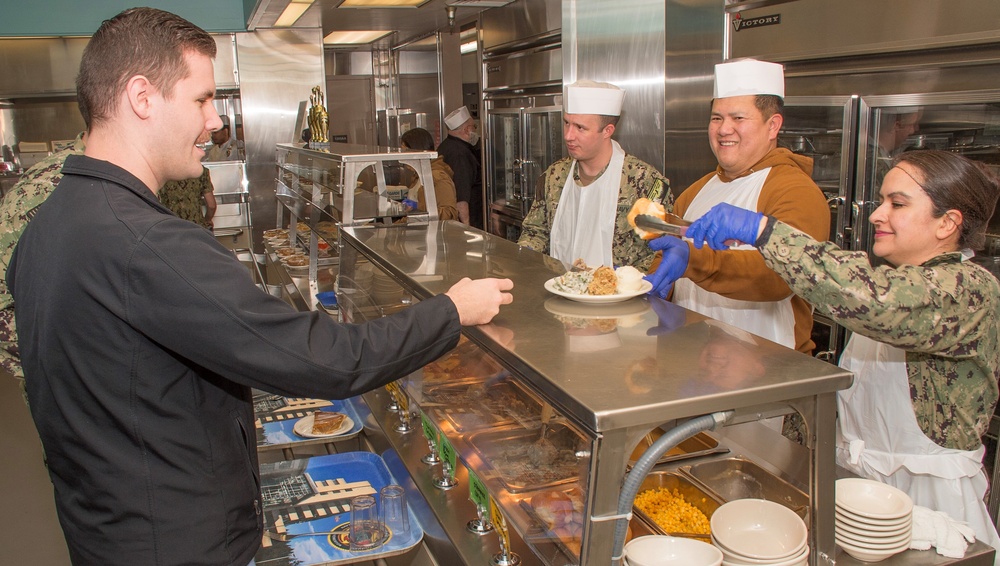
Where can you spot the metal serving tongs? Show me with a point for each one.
(673, 225)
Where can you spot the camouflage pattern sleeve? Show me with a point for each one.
(943, 314)
(639, 180)
(19, 206)
(537, 224)
(185, 198)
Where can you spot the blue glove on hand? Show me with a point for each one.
(675, 261)
(725, 222)
(409, 204)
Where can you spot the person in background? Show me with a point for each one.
(734, 285)
(581, 210)
(444, 187)
(142, 337)
(457, 151)
(224, 147)
(191, 199)
(19, 206)
(925, 343)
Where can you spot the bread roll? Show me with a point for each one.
(645, 206)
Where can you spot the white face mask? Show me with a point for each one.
(473, 138)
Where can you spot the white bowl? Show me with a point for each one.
(868, 554)
(872, 499)
(758, 529)
(872, 542)
(798, 559)
(847, 518)
(878, 535)
(660, 550)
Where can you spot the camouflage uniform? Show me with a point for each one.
(18, 208)
(639, 179)
(943, 314)
(186, 197)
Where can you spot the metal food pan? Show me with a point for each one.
(523, 463)
(475, 406)
(698, 445)
(739, 478)
(701, 498)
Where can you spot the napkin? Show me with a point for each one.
(936, 528)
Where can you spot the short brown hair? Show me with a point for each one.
(954, 182)
(138, 41)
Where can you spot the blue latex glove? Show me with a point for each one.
(410, 204)
(675, 261)
(670, 317)
(723, 223)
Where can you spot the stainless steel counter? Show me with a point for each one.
(657, 364)
(594, 382)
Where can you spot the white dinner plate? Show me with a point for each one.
(304, 427)
(644, 288)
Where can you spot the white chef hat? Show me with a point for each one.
(458, 117)
(590, 97)
(749, 77)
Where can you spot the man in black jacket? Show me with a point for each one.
(458, 151)
(142, 337)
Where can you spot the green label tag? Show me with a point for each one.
(430, 432)
(447, 451)
(477, 491)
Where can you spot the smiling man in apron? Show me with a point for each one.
(580, 212)
(734, 285)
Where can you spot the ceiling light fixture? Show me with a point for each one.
(292, 12)
(382, 3)
(354, 37)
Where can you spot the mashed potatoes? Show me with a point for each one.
(629, 279)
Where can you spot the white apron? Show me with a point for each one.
(878, 438)
(773, 320)
(584, 226)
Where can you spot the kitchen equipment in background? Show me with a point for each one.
(522, 125)
(31, 153)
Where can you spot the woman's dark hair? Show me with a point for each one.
(138, 41)
(418, 139)
(954, 182)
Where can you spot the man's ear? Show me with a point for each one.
(139, 92)
(609, 130)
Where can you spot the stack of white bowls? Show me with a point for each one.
(758, 532)
(874, 521)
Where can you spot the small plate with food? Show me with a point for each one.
(323, 424)
(599, 286)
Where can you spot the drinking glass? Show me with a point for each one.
(366, 531)
(395, 517)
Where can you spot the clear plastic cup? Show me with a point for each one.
(395, 517)
(366, 529)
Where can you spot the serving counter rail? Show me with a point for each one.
(611, 372)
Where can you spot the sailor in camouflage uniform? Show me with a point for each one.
(19, 206)
(185, 198)
(580, 210)
(926, 345)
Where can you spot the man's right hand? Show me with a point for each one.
(478, 301)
